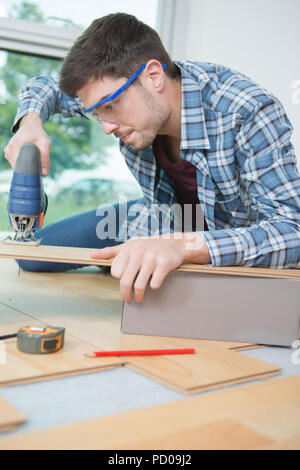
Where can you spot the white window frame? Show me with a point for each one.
(172, 26)
(33, 38)
(39, 39)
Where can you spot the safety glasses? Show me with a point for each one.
(114, 95)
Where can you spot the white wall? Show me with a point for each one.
(260, 38)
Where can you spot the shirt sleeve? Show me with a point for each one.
(42, 95)
(270, 179)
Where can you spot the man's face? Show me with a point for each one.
(136, 116)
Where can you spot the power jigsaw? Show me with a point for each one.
(27, 202)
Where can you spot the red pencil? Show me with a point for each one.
(147, 352)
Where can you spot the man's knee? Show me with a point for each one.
(28, 265)
(45, 266)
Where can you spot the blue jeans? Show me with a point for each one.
(78, 231)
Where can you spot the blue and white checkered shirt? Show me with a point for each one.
(237, 135)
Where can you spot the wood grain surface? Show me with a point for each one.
(82, 256)
(258, 416)
(88, 304)
(10, 417)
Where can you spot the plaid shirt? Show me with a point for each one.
(237, 135)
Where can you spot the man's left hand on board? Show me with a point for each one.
(149, 259)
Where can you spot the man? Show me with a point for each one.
(191, 133)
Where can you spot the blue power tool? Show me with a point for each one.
(27, 203)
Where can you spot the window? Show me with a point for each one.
(76, 12)
(87, 168)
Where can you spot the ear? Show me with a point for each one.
(154, 75)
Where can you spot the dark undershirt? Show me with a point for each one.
(183, 174)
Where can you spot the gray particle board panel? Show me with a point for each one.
(218, 307)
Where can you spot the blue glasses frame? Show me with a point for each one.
(114, 95)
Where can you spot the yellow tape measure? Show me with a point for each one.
(40, 339)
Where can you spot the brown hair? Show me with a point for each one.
(115, 45)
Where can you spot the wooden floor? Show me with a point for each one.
(10, 417)
(258, 416)
(87, 303)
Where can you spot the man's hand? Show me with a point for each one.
(151, 258)
(30, 130)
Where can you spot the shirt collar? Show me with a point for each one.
(193, 129)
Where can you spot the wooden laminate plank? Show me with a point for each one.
(243, 271)
(24, 368)
(223, 434)
(208, 368)
(213, 421)
(10, 417)
(82, 256)
(287, 444)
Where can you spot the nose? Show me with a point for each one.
(109, 127)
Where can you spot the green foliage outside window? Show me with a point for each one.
(76, 143)
(70, 138)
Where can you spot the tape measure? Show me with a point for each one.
(39, 339)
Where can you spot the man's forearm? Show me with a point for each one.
(38, 97)
(32, 118)
(270, 244)
(42, 96)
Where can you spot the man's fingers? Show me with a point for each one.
(45, 157)
(9, 155)
(138, 261)
(11, 152)
(105, 253)
(30, 130)
(119, 264)
(160, 273)
(128, 278)
(142, 280)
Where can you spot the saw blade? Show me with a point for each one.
(11, 241)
